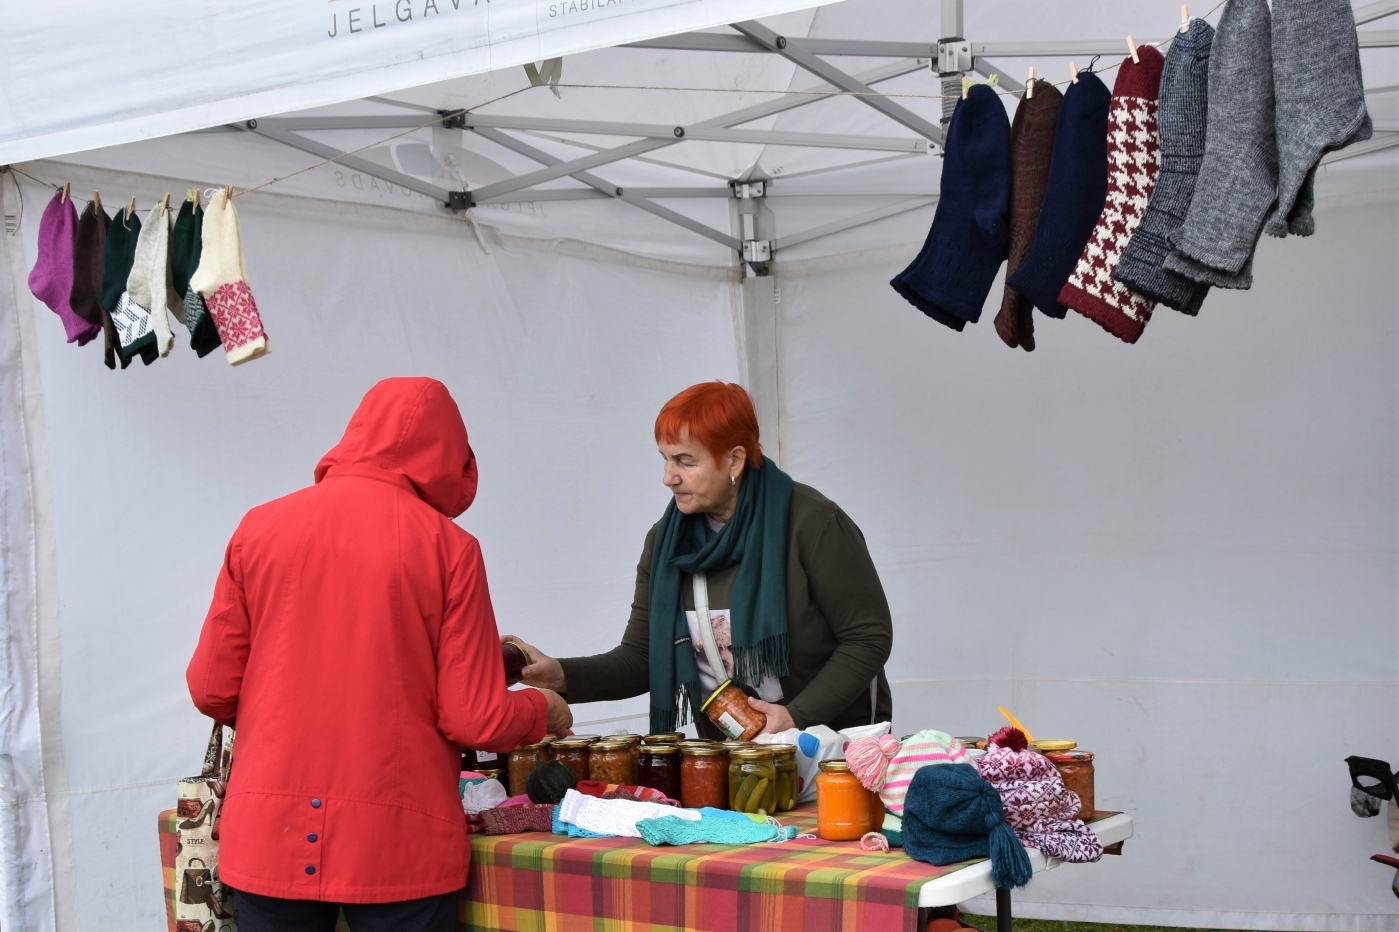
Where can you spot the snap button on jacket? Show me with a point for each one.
(352, 639)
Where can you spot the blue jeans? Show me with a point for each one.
(272, 914)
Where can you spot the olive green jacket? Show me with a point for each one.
(839, 631)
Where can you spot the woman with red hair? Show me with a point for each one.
(797, 611)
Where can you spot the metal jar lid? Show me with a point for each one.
(574, 743)
(612, 744)
(705, 750)
(660, 749)
(753, 752)
(1054, 744)
(835, 765)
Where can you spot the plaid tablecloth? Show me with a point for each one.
(545, 883)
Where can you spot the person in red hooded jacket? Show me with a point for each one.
(352, 639)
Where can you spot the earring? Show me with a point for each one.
(732, 480)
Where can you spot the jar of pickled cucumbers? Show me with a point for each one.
(784, 760)
(752, 780)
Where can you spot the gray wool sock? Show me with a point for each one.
(1238, 177)
(1180, 116)
(1321, 100)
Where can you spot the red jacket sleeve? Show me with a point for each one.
(474, 707)
(215, 672)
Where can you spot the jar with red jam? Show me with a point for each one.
(704, 777)
(515, 658)
(612, 761)
(728, 708)
(659, 768)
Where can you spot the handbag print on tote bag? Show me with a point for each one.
(202, 902)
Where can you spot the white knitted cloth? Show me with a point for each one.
(615, 816)
(222, 281)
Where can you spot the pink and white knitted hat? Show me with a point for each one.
(917, 751)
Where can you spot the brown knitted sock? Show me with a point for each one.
(1031, 143)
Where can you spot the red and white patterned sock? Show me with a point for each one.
(1134, 161)
(223, 283)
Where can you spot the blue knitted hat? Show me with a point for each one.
(952, 275)
(1078, 186)
(951, 814)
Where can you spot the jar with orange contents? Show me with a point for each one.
(845, 810)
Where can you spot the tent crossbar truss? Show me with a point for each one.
(749, 37)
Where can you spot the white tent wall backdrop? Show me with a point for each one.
(1181, 553)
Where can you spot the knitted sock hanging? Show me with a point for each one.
(1180, 119)
(1031, 146)
(1078, 183)
(952, 275)
(186, 246)
(1321, 100)
(222, 281)
(1238, 179)
(51, 280)
(88, 253)
(136, 312)
(1134, 159)
(119, 252)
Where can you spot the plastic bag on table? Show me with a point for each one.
(816, 744)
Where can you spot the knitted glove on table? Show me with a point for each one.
(952, 275)
(222, 281)
(1031, 147)
(1134, 160)
(1180, 118)
(1239, 175)
(1320, 100)
(715, 826)
(614, 816)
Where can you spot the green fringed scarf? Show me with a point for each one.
(756, 539)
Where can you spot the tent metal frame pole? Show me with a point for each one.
(665, 213)
(611, 128)
(865, 48)
(1373, 11)
(748, 114)
(849, 223)
(833, 75)
(383, 173)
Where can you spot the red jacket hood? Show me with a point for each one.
(413, 428)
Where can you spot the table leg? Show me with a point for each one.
(1003, 923)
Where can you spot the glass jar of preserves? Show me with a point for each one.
(523, 760)
(665, 737)
(752, 780)
(659, 768)
(481, 761)
(1076, 767)
(704, 777)
(574, 753)
(784, 760)
(495, 774)
(845, 810)
(612, 761)
(728, 708)
(515, 658)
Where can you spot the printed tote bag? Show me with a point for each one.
(202, 903)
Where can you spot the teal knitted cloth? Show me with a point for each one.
(716, 826)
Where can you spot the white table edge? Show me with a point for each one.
(975, 880)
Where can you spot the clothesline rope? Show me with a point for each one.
(446, 115)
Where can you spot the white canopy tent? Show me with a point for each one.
(1181, 553)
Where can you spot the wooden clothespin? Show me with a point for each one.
(165, 202)
(1073, 71)
(131, 208)
(96, 201)
(1030, 83)
(1184, 18)
(227, 195)
(63, 198)
(966, 85)
(1132, 47)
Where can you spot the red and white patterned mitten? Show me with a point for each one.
(1134, 161)
(223, 282)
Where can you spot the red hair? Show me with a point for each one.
(719, 415)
